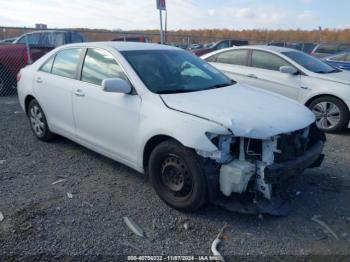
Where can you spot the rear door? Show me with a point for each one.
(233, 63)
(53, 85)
(105, 120)
(264, 73)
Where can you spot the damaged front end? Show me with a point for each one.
(250, 175)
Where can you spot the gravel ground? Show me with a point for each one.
(41, 220)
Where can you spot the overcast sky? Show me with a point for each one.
(182, 14)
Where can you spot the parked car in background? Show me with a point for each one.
(341, 60)
(27, 49)
(219, 45)
(8, 40)
(324, 49)
(321, 87)
(196, 46)
(50, 38)
(305, 47)
(216, 139)
(133, 38)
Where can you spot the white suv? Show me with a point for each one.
(162, 111)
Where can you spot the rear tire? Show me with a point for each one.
(177, 177)
(38, 122)
(331, 113)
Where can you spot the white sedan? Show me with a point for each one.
(160, 110)
(321, 87)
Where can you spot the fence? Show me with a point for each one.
(32, 46)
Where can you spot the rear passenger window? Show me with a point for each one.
(267, 61)
(237, 57)
(48, 65)
(99, 65)
(66, 62)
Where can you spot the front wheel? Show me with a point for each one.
(331, 113)
(177, 177)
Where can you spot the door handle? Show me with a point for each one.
(252, 76)
(39, 80)
(79, 92)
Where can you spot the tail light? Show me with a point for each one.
(18, 76)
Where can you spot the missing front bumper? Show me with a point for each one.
(313, 157)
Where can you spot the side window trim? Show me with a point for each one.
(76, 70)
(47, 60)
(81, 65)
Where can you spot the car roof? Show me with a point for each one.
(125, 46)
(277, 49)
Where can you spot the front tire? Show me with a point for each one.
(38, 122)
(331, 113)
(177, 177)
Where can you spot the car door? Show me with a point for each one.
(107, 121)
(264, 72)
(233, 63)
(53, 85)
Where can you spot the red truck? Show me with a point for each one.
(27, 49)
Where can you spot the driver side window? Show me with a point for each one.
(99, 65)
(268, 61)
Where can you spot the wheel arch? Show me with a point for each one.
(308, 102)
(151, 144)
(27, 101)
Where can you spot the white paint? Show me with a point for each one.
(120, 125)
(314, 84)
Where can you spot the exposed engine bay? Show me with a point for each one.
(253, 173)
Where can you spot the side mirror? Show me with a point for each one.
(116, 85)
(288, 70)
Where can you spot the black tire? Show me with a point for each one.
(171, 161)
(5, 83)
(344, 115)
(36, 113)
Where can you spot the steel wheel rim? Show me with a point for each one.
(327, 115)
(37, 120)
(176, 177)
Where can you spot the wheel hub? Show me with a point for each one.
(175, 176)
(36, 119)
(327, 114)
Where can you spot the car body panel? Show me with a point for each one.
(232, 107)
(302, 88)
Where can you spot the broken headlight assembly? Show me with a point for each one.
(256, 167)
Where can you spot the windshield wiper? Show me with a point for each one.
(174, 91)
(221, 85)
(327, 72)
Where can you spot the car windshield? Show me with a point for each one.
(174, 71)
(310, 63)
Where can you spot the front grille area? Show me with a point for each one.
(295, 144)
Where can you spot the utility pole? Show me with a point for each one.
(161, 27)
(161, 6)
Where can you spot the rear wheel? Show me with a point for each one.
(177, 177)
(38, 121)
(331, 113)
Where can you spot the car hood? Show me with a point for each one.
(340, 77)
(246, 111)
